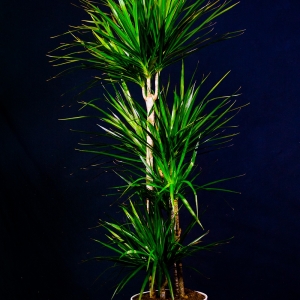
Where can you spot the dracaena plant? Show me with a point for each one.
(155, 146)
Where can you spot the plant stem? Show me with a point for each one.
(180, 280)
(178, 273)
(162, 294)
(150, 99)
(152, 292)
(176, 280)
(176, 216)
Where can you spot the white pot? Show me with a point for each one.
(206, 297)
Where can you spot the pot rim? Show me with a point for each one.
(206, 297)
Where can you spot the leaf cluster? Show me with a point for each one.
(189, 128)
(146, 242)
(135, 39)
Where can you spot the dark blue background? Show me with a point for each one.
(46, 214)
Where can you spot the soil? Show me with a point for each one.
(191, 295)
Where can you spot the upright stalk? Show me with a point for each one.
(180, 280)
(178, 272)
(150, 99)
(162, 294)
(152, 292)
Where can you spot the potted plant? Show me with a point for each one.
(155, 145)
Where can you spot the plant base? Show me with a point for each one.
(192, 295)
